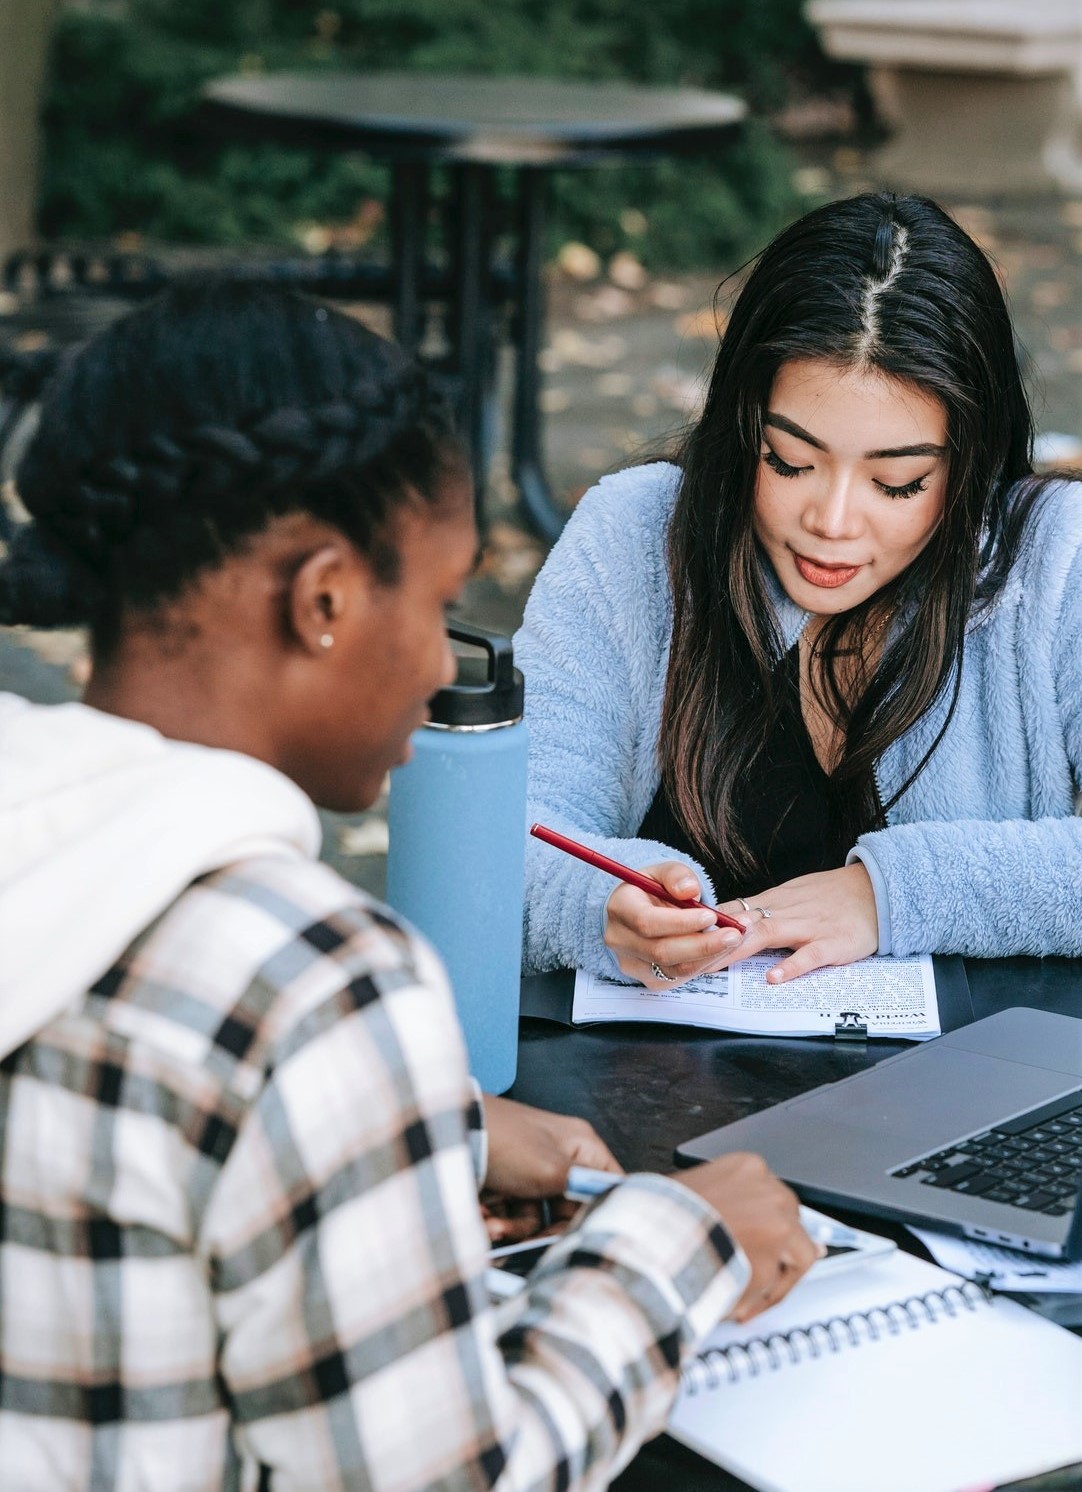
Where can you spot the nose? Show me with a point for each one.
(833, 510)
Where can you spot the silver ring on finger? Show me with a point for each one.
(745, 903)
(766, 915)
(659, 973)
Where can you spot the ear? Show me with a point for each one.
(327, 589)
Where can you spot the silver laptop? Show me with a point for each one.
(978, 1132)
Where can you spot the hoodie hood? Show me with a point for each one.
(103, 823)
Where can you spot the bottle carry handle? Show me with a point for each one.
(500, 654)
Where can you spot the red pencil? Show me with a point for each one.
(625, 873)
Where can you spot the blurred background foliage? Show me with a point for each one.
(122, 155)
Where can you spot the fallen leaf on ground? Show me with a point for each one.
(626, 272)
(706, 324)
(578, 261)
(666, 295)
(604, 304)
(614, 385)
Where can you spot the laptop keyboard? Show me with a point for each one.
(1032, 1161)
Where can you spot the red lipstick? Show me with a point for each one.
(828, 576)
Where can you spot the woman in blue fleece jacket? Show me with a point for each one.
(827, 668)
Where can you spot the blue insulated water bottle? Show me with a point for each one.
(456, 862)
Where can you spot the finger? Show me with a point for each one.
(784, 1280)
(501, 1229)
(803, 1253)
(755, 1298)
(789, 1273)
(734, 949)
(526, 1219)
(645, 917)
(814, 955)
(581, 1145)
(683, 952)
(592, 1151)
(679, 880)
(666, 977)
(740, 908)
(760, 938)
(748, 909)
(767, 1289)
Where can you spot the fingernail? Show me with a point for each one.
(731, 939)
(685, 888)
(773, 976)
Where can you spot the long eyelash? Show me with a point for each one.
(909, 490)
(783, 469)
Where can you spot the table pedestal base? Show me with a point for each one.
(479, 292)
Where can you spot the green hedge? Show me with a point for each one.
(122, 155)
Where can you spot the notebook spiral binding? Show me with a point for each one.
(748, 1359)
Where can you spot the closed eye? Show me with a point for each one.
(783, 469)
(909, 490)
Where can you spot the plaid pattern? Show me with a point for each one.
(239, 1240)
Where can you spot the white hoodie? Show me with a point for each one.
(103, 823)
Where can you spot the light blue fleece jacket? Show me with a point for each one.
(982, 854)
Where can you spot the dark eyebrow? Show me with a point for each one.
(923, 450)
(783, 424)
(927, 449)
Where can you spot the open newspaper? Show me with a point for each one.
(885, 996)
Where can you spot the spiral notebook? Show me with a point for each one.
(895, 1376)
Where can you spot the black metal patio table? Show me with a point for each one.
(648, 1088)
(476, 127)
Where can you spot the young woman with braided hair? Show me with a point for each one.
(826, 668)
(240, 1240)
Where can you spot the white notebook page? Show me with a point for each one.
(892, 996)
(991, 1395)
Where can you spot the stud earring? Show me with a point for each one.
(327, 640)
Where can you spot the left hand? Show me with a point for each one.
(529, 1154)
(826, 918)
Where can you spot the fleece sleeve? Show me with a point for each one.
(592, 642)
(991, 889)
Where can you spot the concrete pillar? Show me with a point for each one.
(981, 95)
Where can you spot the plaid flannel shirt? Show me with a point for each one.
(240, 1244)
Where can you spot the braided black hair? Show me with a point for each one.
(180, 431)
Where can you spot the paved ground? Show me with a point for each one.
(625, 365)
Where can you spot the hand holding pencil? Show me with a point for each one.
(637, 878)
(659, 931)
(662, 935)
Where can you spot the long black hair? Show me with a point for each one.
(874, 282)
(181, 430)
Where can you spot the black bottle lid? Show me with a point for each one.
(480, 697)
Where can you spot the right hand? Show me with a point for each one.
(530, 1151)
(642, 930)
(762, 1215)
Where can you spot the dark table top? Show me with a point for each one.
(493, 120)
(646, 1089)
